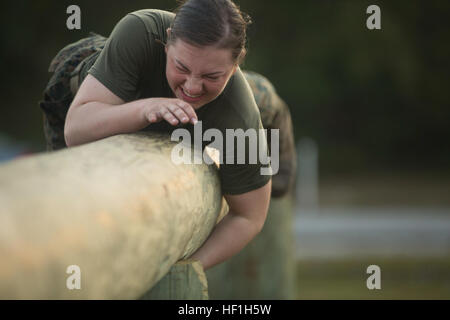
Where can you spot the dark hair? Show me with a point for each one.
(211, 23)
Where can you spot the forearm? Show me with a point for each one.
(95, 120)
(229, 237)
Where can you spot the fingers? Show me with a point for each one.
(152, 118)
(168, 116)
(173, 111)
(179, 113)
(188, 110)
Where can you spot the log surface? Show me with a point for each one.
(118, 208)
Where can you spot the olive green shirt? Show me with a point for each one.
(132, 65)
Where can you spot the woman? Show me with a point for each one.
(160, 71)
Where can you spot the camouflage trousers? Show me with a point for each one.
(65, 81)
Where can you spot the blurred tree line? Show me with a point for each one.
(372, 99)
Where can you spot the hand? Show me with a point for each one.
(170, 109)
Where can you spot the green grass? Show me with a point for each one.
(401, 278)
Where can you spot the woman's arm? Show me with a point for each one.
(96, 113)
(243, 222)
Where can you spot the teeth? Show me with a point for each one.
(190, 95)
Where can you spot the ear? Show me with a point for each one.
(235, 68)
(168, 31)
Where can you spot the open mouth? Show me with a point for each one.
(189, 97)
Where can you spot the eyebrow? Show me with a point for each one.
(207, 74)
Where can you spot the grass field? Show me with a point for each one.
(401, 278)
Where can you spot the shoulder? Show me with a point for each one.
(155, 21)
(239, 103)
(154, 14)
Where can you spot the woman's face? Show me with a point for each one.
(198, 75)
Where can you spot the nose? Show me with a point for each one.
(193, 86)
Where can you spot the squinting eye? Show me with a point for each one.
(181, 69)
(212, 78)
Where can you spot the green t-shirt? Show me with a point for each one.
(132, 65)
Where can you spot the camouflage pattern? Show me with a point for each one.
(275, 115)
(57, 95)
(64, 83)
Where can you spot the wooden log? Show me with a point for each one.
(118, 208)
(265, 268)
(186, 280)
